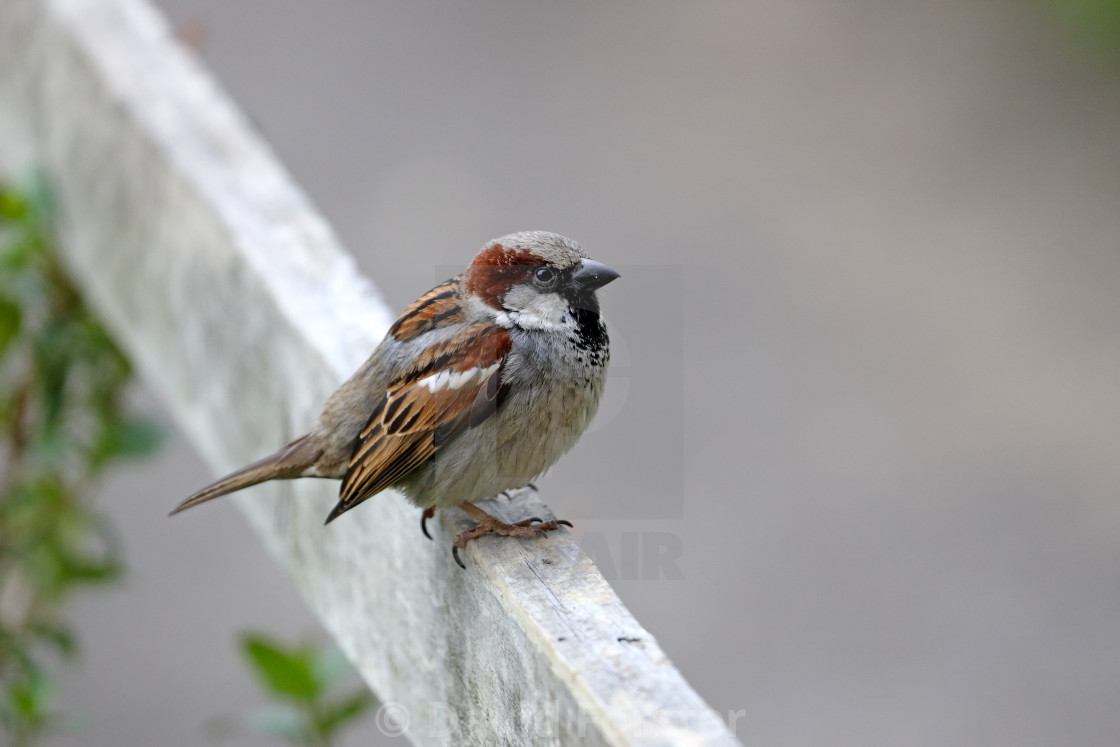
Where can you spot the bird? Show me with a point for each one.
(478, 388)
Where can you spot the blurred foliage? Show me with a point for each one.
(62, 422)
(1094, 23)
(306, 683)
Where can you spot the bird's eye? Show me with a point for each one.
(545, 275)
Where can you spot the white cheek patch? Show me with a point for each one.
(546, 311)
(455, 379)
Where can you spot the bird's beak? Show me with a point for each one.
(591, 275)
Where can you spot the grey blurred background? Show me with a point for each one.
(866, 400)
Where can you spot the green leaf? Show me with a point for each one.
(53, 361)
(18, 248)
(12, 206)
(10, 317)
(90, 571)
(32, 698)
(284, 673)
(337, 716)
(128, 437)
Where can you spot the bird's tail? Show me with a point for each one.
(294, 460)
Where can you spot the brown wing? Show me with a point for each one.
(454, 386)
(439, 307)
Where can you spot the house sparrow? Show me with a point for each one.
(478, 388)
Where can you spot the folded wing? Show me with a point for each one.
(454, 386)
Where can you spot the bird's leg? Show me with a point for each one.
(487, 524)
(428, 513)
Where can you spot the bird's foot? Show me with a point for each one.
(487, 524)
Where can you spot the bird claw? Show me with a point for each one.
(429, 513)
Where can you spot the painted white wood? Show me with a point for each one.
(240, 308)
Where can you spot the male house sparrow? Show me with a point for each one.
(478, 388)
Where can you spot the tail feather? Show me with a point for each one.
(294, 460)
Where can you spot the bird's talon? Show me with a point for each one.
(428, 513)
(455, 554)
(565, 522)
